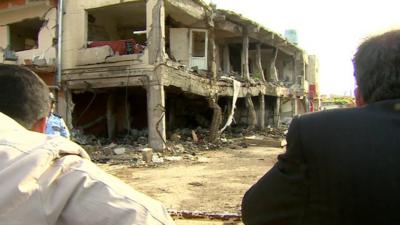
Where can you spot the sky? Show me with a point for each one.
(332, 30)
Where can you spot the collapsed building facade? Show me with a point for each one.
(158, 65)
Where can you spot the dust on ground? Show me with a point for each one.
(215, 182)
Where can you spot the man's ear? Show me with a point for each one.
(40, 125)
(359, 99)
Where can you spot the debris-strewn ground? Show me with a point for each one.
(214, 182)
(192, 175)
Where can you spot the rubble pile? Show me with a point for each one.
(183, 145)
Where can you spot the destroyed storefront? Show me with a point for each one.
(144, 69)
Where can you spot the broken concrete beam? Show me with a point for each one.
(265, 141)
(199, 215)
(94, 55)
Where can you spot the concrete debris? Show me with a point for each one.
(179, 148)
(119, 151)
(194, 136)
(183, 145)
(175, 137)
(157, 159)
(173, 158)
(147, 155)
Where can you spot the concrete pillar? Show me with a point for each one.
(294, 106)
(261, 112)
(213, 50)
(156, 114)
(69, 108)
(295, 80)
(277, 112)
(226, 60)
(259, 62)
(155, 26)
(273, 73)
(245, 55)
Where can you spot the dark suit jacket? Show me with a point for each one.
(340, 167)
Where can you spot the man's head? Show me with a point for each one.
(23, 96)
(377, 67)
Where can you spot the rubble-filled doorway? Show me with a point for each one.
(186, 112)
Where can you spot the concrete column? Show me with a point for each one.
(259, 62)
(261, 112)
(155, 26)
(277, 112)
(245, 55)
(294, 106)
(4, 36)
(273, 73)
(213, 47)
(295, 80)
(69, 107)
(156, 114)
(226, 60)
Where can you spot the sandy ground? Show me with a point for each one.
(216, 182)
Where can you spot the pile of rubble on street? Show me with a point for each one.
(183, 144)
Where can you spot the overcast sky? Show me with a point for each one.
(329, 29)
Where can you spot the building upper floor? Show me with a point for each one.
(28, 32)
(185, 34)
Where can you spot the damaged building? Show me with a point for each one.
(27, 36)
(146, 68)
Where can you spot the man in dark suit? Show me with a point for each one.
(341, 166)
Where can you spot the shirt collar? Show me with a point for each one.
(8, 124)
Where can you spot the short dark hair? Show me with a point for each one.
(377, 67)
(23, 95)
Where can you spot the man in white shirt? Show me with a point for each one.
(51, 180)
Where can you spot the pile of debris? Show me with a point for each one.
(183, 145)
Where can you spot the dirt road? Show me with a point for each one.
(215, 182)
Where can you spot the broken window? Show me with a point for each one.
(198, 44)
(24, 34)
(120, 26)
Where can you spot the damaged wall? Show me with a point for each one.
(77, 24)
(45, 49)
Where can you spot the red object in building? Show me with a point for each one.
(311, 105)
(312, 91)
(121, 47)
